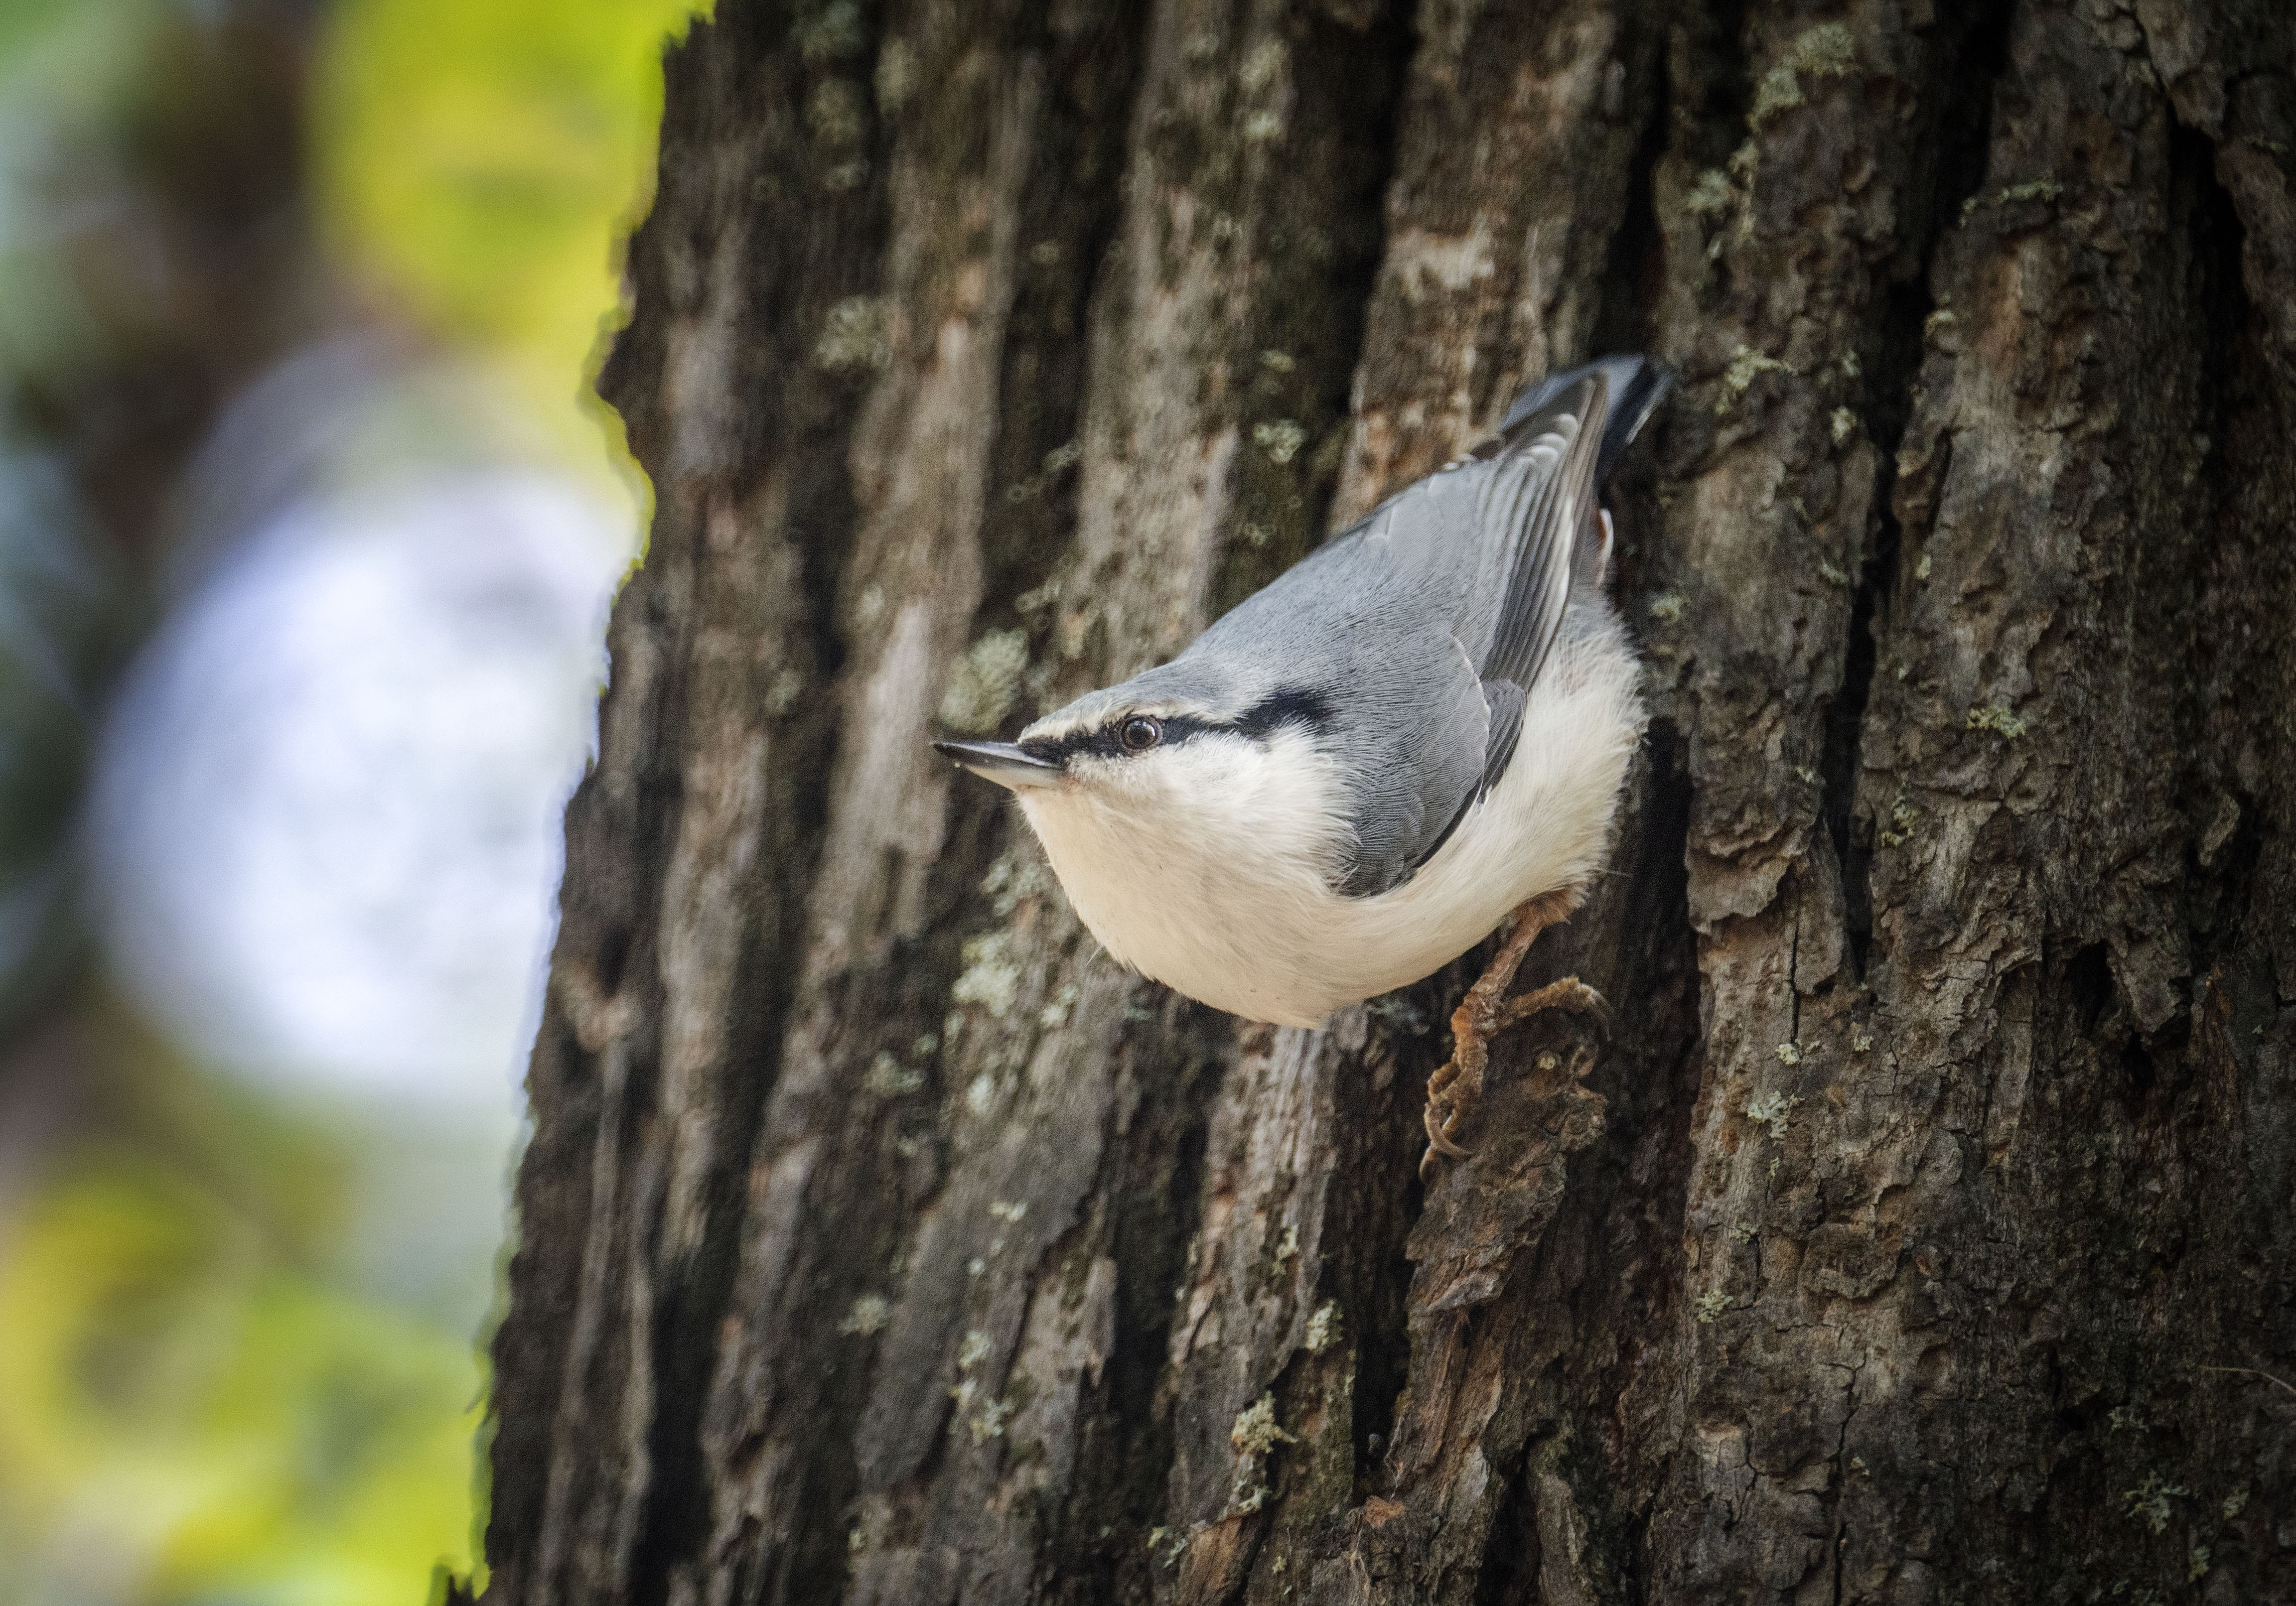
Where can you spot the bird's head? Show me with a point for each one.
(1175, 757)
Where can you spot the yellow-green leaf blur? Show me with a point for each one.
(481, 162)
(206, 1394)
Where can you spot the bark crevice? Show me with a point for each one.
(883, 1242)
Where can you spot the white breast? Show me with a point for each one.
(1225, 897)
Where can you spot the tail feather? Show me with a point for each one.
(1637, 385)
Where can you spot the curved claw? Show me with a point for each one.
(1432, 1164)
(1440, 1145)
(1439, 1135)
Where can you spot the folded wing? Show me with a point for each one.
(1438, 613)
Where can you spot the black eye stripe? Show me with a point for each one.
(1291, 705)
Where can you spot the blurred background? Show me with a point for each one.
(307, 535)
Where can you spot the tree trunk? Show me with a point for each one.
(1923, 1231)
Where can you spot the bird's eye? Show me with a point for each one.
(1140, 732)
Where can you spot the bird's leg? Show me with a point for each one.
(1569, 994)
(1454, 1090)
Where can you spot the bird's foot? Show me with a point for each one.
(1454, 1091)
(1570, 994)
(1452, 1095)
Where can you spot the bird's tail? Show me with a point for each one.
(1637, 384)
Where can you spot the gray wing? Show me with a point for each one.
(1415, 637)
(1539, 486)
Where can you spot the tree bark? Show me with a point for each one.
(1923, 1231)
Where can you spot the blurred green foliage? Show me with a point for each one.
(197, 1403)
(181, 1403)
(198, 1400)
(53, 646)
(481, 162)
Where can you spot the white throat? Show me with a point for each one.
(1179, 860)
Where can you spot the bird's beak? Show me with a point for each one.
(1000, 762)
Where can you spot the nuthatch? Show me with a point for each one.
(1351, 779)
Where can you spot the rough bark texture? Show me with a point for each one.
(1923, 1232)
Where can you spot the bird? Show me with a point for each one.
(1360, 771)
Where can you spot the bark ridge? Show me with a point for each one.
(1920, 1234)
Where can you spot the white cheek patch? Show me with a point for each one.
(1205, 802)
(1180, 858)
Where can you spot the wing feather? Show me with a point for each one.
(1438, 613)
(1542, 489)
(1539, 498)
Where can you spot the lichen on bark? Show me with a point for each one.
(1920, 1232)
